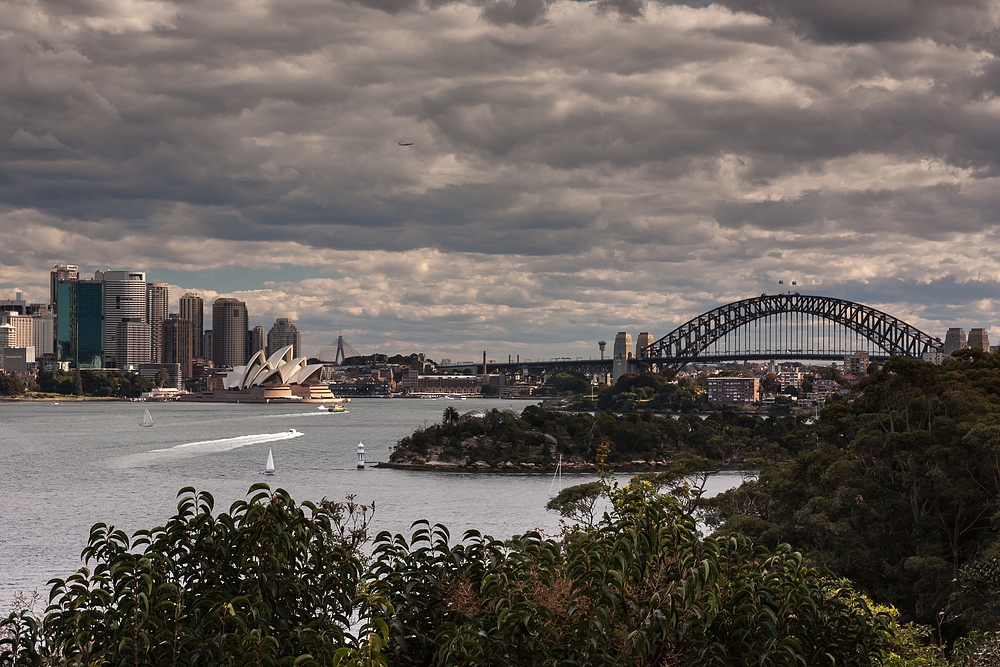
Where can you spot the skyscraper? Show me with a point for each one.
(44, 333)
(133, 343)
(124, 297)
(193, 310)
(178, 344)
(157, 297)
(284, 333)
(229, 332)
(60, 273)
(80, 323)
(255, 341)
(23, 328)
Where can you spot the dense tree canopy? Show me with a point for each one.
(267, 583)
(899, 490)
(538, 436)
(11, 384)
(93, 383)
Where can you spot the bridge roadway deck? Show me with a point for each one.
(605, 365)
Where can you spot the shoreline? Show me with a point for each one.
(633, 466)
(59, 399)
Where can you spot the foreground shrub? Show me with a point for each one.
(275, 583)
(641, 588)
(268, 583)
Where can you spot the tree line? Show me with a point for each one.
(899, 491)
(116, 384)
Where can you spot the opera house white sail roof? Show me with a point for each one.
(278, 369)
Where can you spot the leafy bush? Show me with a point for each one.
(641, 588)
(268, 583)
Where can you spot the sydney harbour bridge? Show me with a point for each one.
(786, 327)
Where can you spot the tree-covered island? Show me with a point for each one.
(536, 438)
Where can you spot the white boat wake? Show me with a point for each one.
(189, 449)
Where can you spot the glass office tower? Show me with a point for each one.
(80, 323)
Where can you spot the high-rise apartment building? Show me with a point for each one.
(80, 323)
(43, 333)
(193, 309)
(644, 340)
(157, 298)
(954, 340)
(7, 335)
(979, 338)
(178, 344)
(857, 364)
(133, 343)
(229, 333)
(282, 334)
(256, 341)
(125, 297)
(23, 328)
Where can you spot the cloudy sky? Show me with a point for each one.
(577, 168)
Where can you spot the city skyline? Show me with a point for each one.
(576, 169)
(207, 307)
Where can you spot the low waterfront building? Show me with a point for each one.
(415, 383)
(17, 359)
(175, 378)
(733, 390)
(280, 377)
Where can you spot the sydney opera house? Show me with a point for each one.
(278, 378)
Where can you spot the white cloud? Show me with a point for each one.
(571, 173)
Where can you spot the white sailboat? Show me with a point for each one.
(556, 480)
(147, 419)
(269, 466)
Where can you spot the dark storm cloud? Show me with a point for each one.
(918, 212)
(858, 21)
(523, 13)
(635, 160)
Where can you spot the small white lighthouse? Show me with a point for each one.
(361, 455)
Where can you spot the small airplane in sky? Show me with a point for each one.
(405, 143)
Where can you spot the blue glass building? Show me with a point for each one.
(80, 323)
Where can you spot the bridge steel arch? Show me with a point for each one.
(688, 342)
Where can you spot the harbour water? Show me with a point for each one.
(69, 465)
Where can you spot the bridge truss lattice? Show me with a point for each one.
(788, 326)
